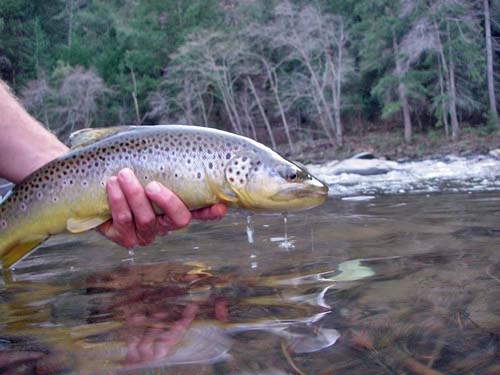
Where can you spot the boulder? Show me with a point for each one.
(364, 167)
(495, 153)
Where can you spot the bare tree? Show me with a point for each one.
(77, 98)
(217, 61)
(317, 41)
(69, 103)
(402, 88)
(263, 113)
(439, 30)
(36, 97)
(489, 60)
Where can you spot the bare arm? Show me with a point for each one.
(25, 145)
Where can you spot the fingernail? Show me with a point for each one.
(153, 187)
(112, 181)
(127, 175)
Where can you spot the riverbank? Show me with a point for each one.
(390, 145)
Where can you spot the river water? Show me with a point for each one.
(364, 284)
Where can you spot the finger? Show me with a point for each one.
(215, 212)
(144, 216)
(121, 230)
(176, 212)
(162, 231)
(146, 347)
(133, 356)
(166, 224)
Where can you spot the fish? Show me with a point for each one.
(201, 165)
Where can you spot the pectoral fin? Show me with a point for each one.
(78, 225)
(219, 194)
(19, 251)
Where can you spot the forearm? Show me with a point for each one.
(25, 145)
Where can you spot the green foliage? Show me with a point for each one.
(132, 47)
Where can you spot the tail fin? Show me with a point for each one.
(20, 250)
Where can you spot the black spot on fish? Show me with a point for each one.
(210, 165)
(228, 156)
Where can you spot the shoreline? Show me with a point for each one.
(390, 146)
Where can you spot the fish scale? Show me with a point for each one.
(202, 166)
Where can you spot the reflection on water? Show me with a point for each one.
(395, 284)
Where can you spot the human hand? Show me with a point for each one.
(134, 221)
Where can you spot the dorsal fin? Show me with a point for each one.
(88, 136)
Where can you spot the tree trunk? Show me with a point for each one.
(134, 97)
(402, 91)
(70, 23)
(248, 115)
(444, 110)
(338, 88)
(274, 87)
(325, 108)
(262, 112)
(453, 90)
(489, 59)
(204, 113)
(188, 107)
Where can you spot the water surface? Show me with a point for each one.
(405, 284)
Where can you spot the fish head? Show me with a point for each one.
(273, 183)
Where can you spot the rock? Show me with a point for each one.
(364, 167)
(495, 153)
(364, 155)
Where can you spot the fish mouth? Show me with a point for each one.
(321, 193)
(302, 191)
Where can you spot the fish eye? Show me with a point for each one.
(292, 175)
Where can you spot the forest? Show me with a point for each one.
(280, 71)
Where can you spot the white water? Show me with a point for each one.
(451, 174)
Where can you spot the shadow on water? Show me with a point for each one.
(395, 284)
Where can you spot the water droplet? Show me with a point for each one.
(287, 244)
(250, 229)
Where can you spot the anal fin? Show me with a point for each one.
(78, 225)
(19, 251)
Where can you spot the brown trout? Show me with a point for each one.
(202, 166)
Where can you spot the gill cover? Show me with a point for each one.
(236, 173)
